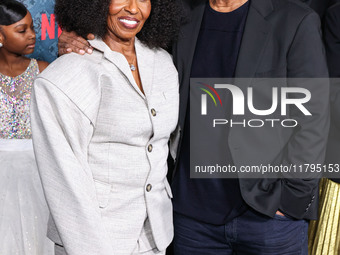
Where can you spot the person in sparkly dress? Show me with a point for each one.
(23, 210)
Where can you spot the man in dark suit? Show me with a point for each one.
(270, 39)
(262, 39)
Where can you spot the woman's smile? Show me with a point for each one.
(129, 22)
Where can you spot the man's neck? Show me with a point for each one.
(226, 5)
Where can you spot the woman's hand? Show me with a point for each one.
(70, 42)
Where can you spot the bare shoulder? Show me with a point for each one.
(42, 65)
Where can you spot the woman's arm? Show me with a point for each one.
(61, 134)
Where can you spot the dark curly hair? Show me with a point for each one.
(90, 16)
(11, 12)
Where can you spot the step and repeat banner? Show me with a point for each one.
(46, 28)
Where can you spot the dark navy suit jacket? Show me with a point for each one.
(282, 38)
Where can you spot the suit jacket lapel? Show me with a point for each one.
(256, 33)
(121, 63)
(188, 36)
(185, 49)
(146, 62)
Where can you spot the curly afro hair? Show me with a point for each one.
(90, 16)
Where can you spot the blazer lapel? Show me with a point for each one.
(255, 36)
(188, 37)
(120, 62)
(185, 49)
(146, 62)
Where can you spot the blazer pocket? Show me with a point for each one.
(166, 104)
(171, 94)
(103, 193)
(168, 188)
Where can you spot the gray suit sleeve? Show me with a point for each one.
(61, 134)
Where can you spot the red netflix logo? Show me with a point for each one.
(48, 27)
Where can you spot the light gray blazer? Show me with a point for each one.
(101, 148)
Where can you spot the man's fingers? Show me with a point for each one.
(64, 48)
(279, 213)
(62, 51)
(90, 37)
(70, 42)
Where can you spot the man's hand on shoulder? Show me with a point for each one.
(70, 42)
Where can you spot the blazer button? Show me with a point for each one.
(150, 148)
(148, 187)
(153, 112)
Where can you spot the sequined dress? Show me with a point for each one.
(23, 210)
(324, 234)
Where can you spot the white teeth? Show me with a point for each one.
(129, 22)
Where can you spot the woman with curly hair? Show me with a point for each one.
(101, 125)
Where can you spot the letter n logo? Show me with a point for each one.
(211, 92)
